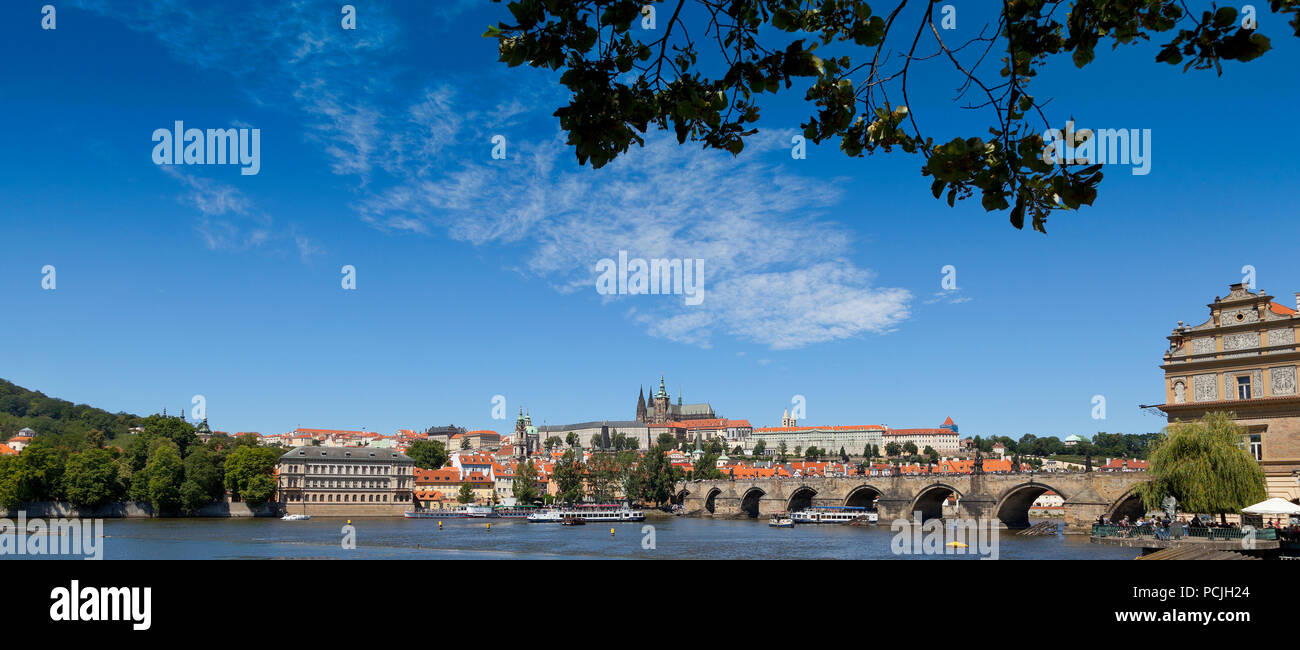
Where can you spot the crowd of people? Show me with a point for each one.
(1165, 528)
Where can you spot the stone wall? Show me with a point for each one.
(135, 509)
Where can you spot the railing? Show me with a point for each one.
(1211, 534)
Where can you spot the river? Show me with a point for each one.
(671, 538)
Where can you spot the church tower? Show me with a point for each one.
(640, 406)
(520, 439)
(786, 420)
(661, 402)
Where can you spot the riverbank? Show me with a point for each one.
(139, 510)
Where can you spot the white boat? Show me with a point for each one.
(295, 517)
(781, 521)
(834, 515)
(594, 513)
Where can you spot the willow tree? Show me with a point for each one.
(1203, 465)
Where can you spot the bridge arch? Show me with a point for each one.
(1129, 505)
(749, 502)
(863, 496)
(800, 499)
(710, 501)
(1014, 504)
(929, 501)
(680, 497)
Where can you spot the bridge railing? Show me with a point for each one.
(1211, 534)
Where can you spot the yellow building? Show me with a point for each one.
(1244, 360)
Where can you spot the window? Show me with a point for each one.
(1256, 447)
(1243, 388)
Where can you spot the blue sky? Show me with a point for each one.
(475, 276)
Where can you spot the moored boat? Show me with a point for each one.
(288, 517)
(781, 521)
(835, 515)
(451, 513)
(587, 513)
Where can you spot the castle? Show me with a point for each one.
(661, 410)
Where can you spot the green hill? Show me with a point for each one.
(20, 407)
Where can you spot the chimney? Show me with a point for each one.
(1297, 300)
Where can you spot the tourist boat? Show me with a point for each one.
(587, 513)
(452, 513)
(475, 512)
(572, 520)
(288, 517)
(478, 512)
(513, 512)
(835, 515)
(781, 521)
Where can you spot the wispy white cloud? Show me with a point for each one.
(779, 270)
(229, 221)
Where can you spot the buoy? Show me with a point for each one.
(439, 525)
(956, 545)
(611, 532)
(489, 525)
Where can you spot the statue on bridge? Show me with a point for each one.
(978, 467)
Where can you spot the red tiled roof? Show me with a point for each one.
(1125, 463)
(919, 432)
(6, 450)
(1281, 310)
(446, 475)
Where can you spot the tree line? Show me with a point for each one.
(605, 477)
(50, 416)
(165, 465)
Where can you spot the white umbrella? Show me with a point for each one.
(1274, 506)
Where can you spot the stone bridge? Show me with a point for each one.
(1006, 497)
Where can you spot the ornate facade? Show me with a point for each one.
(526, 439)
(1244, 360)
(345, 482)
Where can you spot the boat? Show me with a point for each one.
(781, 521)
(478, 512)
(474, 512)
(512, 512)
(572, 520)
(288, 517)
(587, 513)
(450, 513)
(835, 515)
